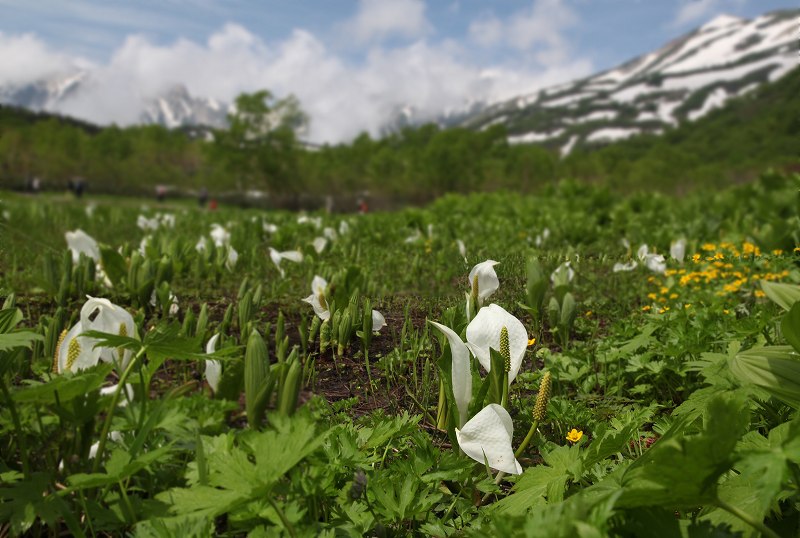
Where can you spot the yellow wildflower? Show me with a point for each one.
(760, 294)
(531, 342)
(574, 435)
(709, 247)
(646, 308)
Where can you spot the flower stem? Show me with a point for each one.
(112, 406)
(517, 454)
(21, 445)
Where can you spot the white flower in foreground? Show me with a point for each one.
(563, 274)
(459, 371)
(630, 266)
(487, 438)
(319, 244)
(462, 249)
(213, 370)
(102, 315)
(378, 321)
(319, 287)
(292, 255)
(483, 280)
(79, 242)
(483, 333)
(677, 250)
(220, 235)
(75, 352)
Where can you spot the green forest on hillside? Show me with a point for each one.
(729, 145)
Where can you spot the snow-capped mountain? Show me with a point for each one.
(177, 108)
(682, 81)
(42, 95)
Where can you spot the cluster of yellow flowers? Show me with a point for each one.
(717, 269)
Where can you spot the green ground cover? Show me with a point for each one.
(588, 400)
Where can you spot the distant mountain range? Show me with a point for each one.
(682, 81)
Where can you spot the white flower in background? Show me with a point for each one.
(201, 245)
(147, 224)
(563, 274)
(128, 391)
(143, 244)
(330, 233)
(460, 373)
(79, 242)
(483, 280)
(462, 249)
(213, 370)
(677, 250)
(89, 210)
(220, 235)
(319, 244)
(269, 227)
(233, 257)
(167, 219)
(314, 221)
(317, 299)
(378, 321)
(487, 438)
(430, 231)
(174, 308)
(542, 237)
(344, 228)
(654, 262)
(483, 333)
(414, 237)
(630, 266)
(292, 255)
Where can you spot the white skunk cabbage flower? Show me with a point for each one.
(413, 238)
(329, 233)
(654, 262)
(102, 315)
(542, 237)
(483, 333)
(630, 266)
(462, 249)
(563, 274)
(143, 244)
(485, 279)
(79, 242)
(213, 370)
(233, 257)
(677, 250)
(201, 245)
(319, 244)
(344, 228)
(75, 352)
(174, 308)
(89, 210)
(147, 224)
(378, 321)
(459, 371)
(269, 227)
(314, 221)
(220, 235)
(292, 255)
(487, 438)
(319, 287)
(167, 219)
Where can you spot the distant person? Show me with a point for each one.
(161, 192)
(78, 186)
(212, 205)
(202, 197)
(362, 206)
(36, 185)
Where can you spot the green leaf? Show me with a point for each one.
(790, 326)
(64, 388)
(784, 295)
(18, 339)
(114, 265)
(9, 318)
(682, 470)
(776, 369)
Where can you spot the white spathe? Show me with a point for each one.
(630, 266)
(563, 274)
(292, 255)
(102, 315)
(220, 235)
(462, 249)
(319, 244)
(79, 242)
(483, 333)
(677, 250)
(654, 262)
(487, 438)
(213, 370)
(487, 279)
(459, 371)
(319, 286)
(378, 321)
(76, 352)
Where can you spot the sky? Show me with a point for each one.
(352, 63)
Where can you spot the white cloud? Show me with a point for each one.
(377, 20)
(692, 11)
(537, 29)
(342, 98)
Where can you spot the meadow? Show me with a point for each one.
(568, 363)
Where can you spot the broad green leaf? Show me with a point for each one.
(114, 265)
(790, 326)
(682, 469)
(63, 388)
(18, 339)
(776, 369)
(9, 318)
(784, 295)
